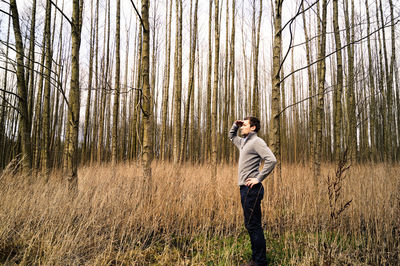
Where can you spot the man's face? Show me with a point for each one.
(246, 129)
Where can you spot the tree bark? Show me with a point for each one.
(147, 156)
(117, 86)
(85, 145)
(321, 68)
(351, 111)
(178, 82)
(192, 58)
(74, 97)
(337, 101)
(25, 122)
(46, 104)
(274, 134)
(214, 122)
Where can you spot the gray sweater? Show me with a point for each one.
(252, 150)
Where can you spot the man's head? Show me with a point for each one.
(251, 124)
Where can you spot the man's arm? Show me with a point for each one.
(268, 157)
(233, 135)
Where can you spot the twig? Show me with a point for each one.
(341, 48)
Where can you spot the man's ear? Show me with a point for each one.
(253, 128)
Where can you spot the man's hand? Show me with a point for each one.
(250, 182)
(239, 123)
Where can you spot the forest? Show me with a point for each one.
(114, 121)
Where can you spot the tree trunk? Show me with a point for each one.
(274, 134)
(311, 112)
(208, 141)
(74, 97)
(85, 145)
(117, 86)
(147, 101)
(25, 123)
(256, 94)
(321, 68)
(31, 60)
(192, 58)
(372, 112)
(167, 70)
(337, 101)
(3, 115)
(178, 82)
(232, 115)
(46, 104)
(214, 122)
(351, 111)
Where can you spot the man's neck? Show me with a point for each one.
(247, 135)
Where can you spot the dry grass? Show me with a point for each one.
(195, 218)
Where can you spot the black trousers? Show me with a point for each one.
(251, 204)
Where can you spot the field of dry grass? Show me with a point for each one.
(193, 218)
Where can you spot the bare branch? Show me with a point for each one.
(7, 69)
(10, 105)
(298, 14)
(62, 13)
(1, 10)
(137, 12)
(25, 57)
(341, 48)
(10, 92)
(291, 34)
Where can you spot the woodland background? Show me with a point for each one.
(150, 90)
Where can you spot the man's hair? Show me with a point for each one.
(254, 121)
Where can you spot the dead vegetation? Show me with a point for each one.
(196, 218)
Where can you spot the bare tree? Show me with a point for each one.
(25, 122)
(74, 96)
(147, 156)
(117, 86)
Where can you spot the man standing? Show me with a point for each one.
(252, 150)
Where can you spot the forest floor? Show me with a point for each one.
(189, 217)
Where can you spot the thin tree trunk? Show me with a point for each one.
(25, 123)
(117, 86)
(95, 141)
(274, 133)
(311, 112)
(208, 141)
(30, 80)
(295, 118)
(321, 86)
(372, 112)
(225, 121)
(46, 104)
(167, 68)
(147, 156)
(192, 58)
(390, 80)
(85, 145)
(74, 96)
(351, 112)
(3, 118)
(232, 115)
(337, 101)
(178, 82)
(256, 94)
(214, 122)
(123, 138)
(102, 149)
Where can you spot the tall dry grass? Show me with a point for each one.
(194, 218)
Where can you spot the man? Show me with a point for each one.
(252, 150)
